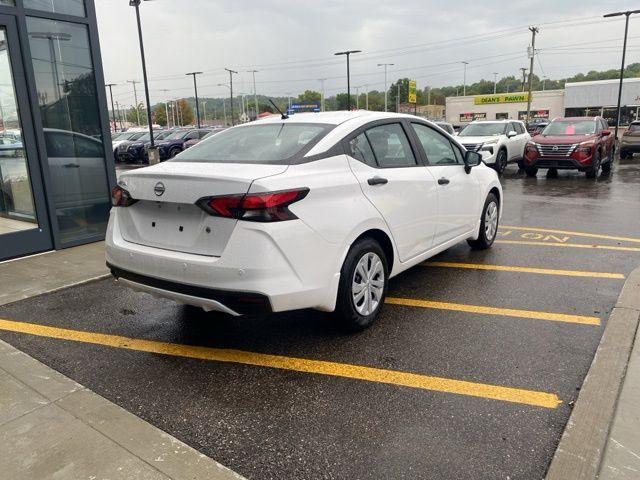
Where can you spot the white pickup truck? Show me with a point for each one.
(498, 141)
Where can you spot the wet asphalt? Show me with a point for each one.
(266, 423)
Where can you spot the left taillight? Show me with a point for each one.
(254, 207)
(121, 197)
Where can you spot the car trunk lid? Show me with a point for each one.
(166, 216)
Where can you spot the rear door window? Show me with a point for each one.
(360, 149)
(391, 146)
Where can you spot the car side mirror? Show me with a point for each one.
(606, 132)
(511, 134)
(471, 159)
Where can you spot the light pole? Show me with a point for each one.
(627, 14)
(366, 97)
(464, 79)
(357, 97)
(224, 106)
(398, 99)
(321, 80)
(195, 88)
(204, 113)
(385, 65)
(347, 53)
(533, 30)
(255, 95)
(495, 81)
(136, 5)
(166, 106)
(113, 112)
(231, 72)
(524, 76)
(135, 96)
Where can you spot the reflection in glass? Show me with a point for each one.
(68, 103)
(70, 7)
(16, 201)
(8, 2)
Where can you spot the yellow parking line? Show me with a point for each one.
(569, 232)
(505, 312)
(357, 372)
(570, 245)
(509, 268)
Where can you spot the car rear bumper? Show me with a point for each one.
(267, 266)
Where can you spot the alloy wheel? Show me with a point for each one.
(367, 285)
(491, 221)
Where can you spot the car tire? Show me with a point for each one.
(501, 161)
(356, 310)
(552, 173)
(488, 224)
(531, 171)
(623, 155)
(174, 151)
(594, 171)
(606, 167)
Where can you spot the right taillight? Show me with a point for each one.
(121, 198)
(254, 207)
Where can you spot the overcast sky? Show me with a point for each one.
(292, 42)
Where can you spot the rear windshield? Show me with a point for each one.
(483, 129)
(270, 143)
(570, 127)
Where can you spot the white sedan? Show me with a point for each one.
(314, 211)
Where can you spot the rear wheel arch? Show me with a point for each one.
(385, 243)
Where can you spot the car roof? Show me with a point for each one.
(331, 118)
(496, 121)
(577, 118)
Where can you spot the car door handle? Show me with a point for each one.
(71, 165)
(377, 181)
(443, 181)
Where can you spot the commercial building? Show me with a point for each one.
(56, 164)
(577, 99)
(545, 104)
(432, 112)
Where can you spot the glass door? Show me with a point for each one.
(24, 227)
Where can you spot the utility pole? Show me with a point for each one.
(119, 114)
(544, 83)
(255, 95)
(398, 99)
(204, 114)
(321, 80)
(113, 112)
(533, 30)
(347, 53)
(428, 95)
(385, 65)
(136, 5)
(464, 81)
(524, 77)
(357, 97)
(166, 106)
(624, 51)
(495, 81)
(366, 97)
(135, 96)
(224, 112)
(231, 72)
(195, 87)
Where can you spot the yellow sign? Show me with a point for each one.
(501, 98)
(412, 91)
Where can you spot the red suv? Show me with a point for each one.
(575, 143)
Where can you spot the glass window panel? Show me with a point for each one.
(69, 7)
(16, 200)
(391, 146)
(360, 149)
(68, 104)
(437, 147)
(8, 2)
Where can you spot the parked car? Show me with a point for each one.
(498, 141)
(447, 127)
(575, 143)
(135, 151)
(122, 138)
(10, 147)
(535, 126)
(630, 141)
(314, 211)
(174, 143)
(191, 142)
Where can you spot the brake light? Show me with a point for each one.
(121, 198)
(255, 207)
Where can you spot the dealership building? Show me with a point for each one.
(576, 100)
(56, 163)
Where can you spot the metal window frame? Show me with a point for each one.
(20, 13)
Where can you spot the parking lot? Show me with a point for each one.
(470, 372)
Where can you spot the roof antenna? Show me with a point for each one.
(283, 116)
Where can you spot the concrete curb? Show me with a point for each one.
(583, 442)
